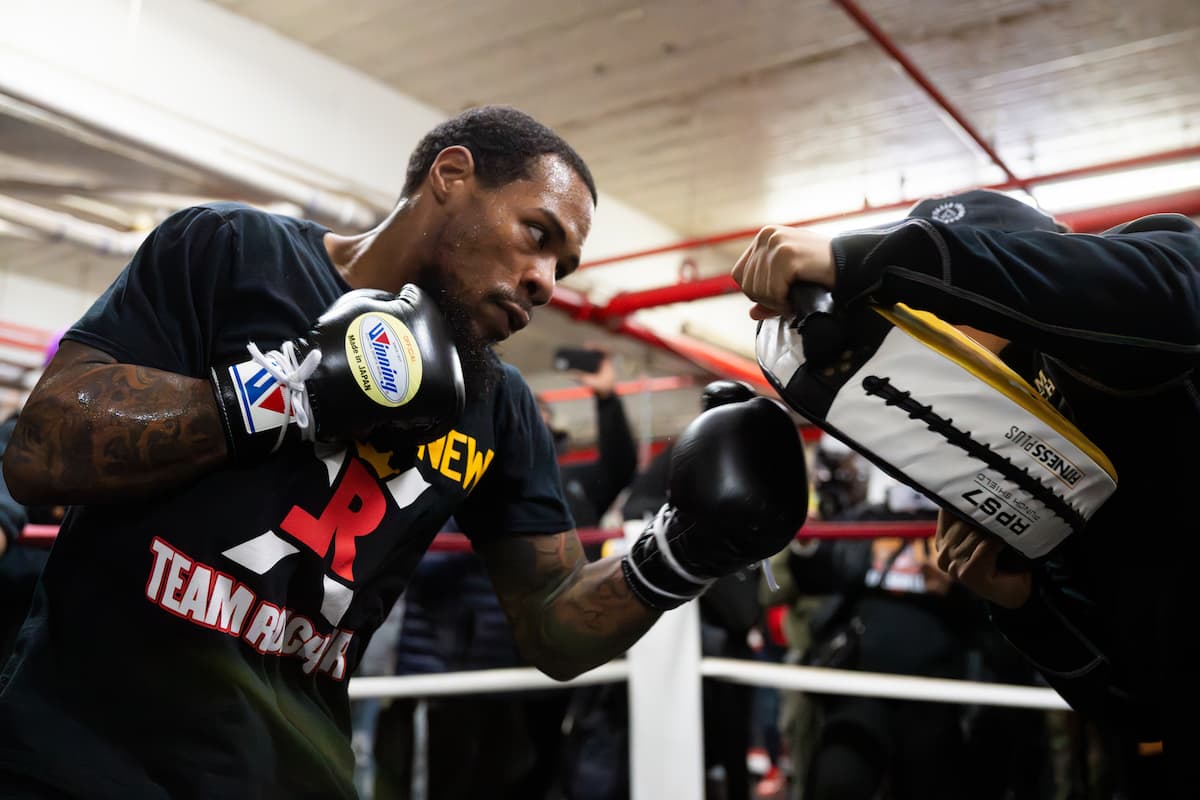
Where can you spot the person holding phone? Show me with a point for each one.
(593, 486)
(596, 763)
(586, 360)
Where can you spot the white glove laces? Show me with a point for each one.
(769, 574)
(282, 366)
(658, 529)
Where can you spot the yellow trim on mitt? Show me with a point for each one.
(955, 345)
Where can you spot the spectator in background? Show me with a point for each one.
(593, 486)
(20, 564)
(14, 591)
(838, 482)
(597, 765)
(12, 514)
(789, 612)
(832, 589)
(649, 489)
(503, 745)
(891, 610)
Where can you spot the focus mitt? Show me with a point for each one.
(934, 409)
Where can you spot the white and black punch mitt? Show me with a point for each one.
(936, 410)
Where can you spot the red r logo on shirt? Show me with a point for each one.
(356, 508)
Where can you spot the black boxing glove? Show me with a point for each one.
(372, 360)
(718, 393)
(738, 492)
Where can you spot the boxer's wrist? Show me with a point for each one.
(653, 569)
(253, 408)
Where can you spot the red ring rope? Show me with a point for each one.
(43, 535)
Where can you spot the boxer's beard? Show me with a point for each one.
(480, 365)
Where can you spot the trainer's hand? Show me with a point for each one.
(971, 554)
(937, 580)
(778, 257)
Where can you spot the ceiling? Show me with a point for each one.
(717, 114)
(707, 115)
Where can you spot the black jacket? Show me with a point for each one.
(591, 487)
(648, 491)
(1107, 327)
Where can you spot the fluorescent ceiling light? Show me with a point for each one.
(1097, 191)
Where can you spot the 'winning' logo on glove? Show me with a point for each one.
(383, 354)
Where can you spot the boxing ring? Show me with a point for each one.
(664, 670)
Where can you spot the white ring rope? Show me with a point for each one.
(820, 680)
(754, 673)
(475, 681)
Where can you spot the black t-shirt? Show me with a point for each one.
(198, 644)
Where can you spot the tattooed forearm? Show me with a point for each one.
(568, 615)
(597, 618)
(98, 431)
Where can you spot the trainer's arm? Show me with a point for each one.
(1122, 307)
(568, 614)
(94, 430)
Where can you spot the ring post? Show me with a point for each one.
(666, 729)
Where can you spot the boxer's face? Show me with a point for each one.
(502, 248)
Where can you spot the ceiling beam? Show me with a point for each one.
(956, 117)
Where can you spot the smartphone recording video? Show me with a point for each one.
(581, 358)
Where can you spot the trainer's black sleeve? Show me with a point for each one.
(1122, 307)
(1063, 635)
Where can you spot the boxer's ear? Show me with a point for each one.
(452, 171)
